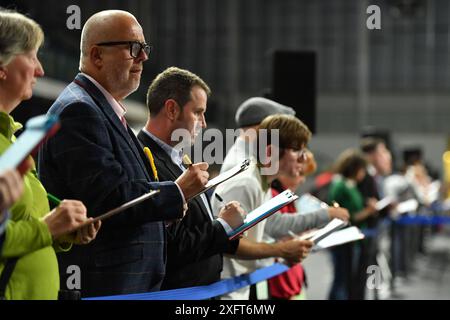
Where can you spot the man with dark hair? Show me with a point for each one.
(379, 162)
(177, 99)
(379, 165)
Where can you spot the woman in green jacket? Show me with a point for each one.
(33, 232)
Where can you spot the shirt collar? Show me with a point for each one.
(175, 154)
(118, 108)
(8, 127)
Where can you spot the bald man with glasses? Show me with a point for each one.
(97, 159)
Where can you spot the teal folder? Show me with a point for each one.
(37, 130)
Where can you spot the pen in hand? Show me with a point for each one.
(53, 199)
(220, 200)
(225, 205)
(187, 161)
(293, 235)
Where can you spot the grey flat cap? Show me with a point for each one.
(252, 111)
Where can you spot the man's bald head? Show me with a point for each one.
(105, 26)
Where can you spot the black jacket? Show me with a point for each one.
(93, 158)
(195, 244)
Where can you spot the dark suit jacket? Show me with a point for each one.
(93, 158)
(195, 244)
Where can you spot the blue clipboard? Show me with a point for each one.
(264, 211)
(37, 130)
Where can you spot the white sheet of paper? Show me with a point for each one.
(274, 202)
(225, 176)
(433, 191)
(331, 227)
(410, 205)
(340, 237)
(383, 203)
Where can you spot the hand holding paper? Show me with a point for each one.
(205, 186)
(193, 180)
(264, 211)
(66, 218)
(294, 251)
(86, 222)
(233, 214)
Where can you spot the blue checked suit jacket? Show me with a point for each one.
(93, 158)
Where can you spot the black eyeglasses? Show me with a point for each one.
(135, 47)
(300, 153)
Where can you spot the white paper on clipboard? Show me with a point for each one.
(264, 211)
(225, 176)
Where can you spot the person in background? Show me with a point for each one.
(33, 232)
(379, 166)
(248, 117)
(288, 286)
(350, 169)
(252, 187)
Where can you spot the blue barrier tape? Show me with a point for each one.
(205, 292)
(408, 220)
(423, 220)
(229, 285)
(370, 233)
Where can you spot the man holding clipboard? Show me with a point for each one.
(96, 158)
(177, 100)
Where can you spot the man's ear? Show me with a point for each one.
(3, 73)
(172, 109)
(273, 153)
(269, 151)
(95, 55)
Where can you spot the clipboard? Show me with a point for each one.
(318, 235)
(37, 130)
(120, 208)
(339, 237)
(225, 176)
(264, 211)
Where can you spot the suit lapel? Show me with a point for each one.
(160, 154)
(103, 104)
(166, 161)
